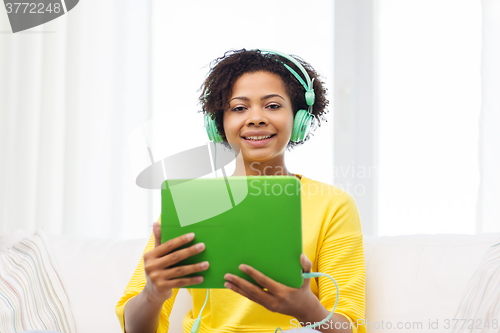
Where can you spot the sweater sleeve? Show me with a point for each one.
(341, 256)
(135, 286)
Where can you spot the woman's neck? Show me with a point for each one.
(253, 168)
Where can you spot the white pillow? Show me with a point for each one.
(31, 293)
(479, 310)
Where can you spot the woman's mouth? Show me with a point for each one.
(258, 141)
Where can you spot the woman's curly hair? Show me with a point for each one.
(224, 71)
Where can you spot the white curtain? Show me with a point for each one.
(488, 211)
(71, 92)
(74, 89)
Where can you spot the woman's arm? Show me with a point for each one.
(142, 314)
(337, 323)
(341, 255)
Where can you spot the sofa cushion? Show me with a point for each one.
(32, 295)
(480, 305)
(96, 273)
(13, 237)
(417, 280)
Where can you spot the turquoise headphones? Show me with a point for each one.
(303, 118)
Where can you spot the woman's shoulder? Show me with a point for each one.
(339, 207)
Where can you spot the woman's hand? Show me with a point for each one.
(295, 302)
(160, 278)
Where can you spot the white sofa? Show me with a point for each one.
(409, 279)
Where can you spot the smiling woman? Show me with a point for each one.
(260, 104)
(286, 90)
(271, 116)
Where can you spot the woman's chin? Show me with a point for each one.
(258, 156)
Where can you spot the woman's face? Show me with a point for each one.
(259, 107)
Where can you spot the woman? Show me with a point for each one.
(253, 98)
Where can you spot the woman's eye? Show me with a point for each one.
(274, 106)
(238, 108)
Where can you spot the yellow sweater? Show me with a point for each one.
(332, 239)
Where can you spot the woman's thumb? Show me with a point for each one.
(306, 268)
(306, 263)
(157, 233)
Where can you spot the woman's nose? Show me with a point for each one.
(256, 116)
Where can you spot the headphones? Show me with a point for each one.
(303, 118)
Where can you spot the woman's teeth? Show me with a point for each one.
(258, 138)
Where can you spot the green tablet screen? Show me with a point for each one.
(255, 220)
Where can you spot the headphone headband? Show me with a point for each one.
(310, 96)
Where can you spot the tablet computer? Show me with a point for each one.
(255, 220)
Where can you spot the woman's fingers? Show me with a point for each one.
(161, 278)
(180, 255)
(170, 245)
(156, 260)
(249, 290)
(240, 291)
(260, 278)
(164, 286)
(180, 271)
(184, 282)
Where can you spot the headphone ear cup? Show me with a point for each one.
(212, 132)
(301, 126)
